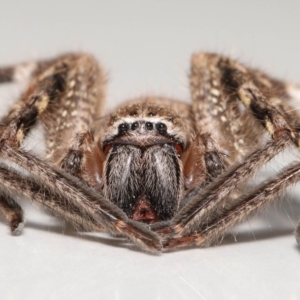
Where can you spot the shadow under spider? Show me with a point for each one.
(279, 219)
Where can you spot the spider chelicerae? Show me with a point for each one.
(163, 173)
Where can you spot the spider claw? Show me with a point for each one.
(140, 235)
(162, 228)
(179, 242)
(17, 227)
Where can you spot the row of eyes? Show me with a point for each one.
(160, 127)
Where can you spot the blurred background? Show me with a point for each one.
(145, 46)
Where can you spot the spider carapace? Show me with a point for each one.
(163, 173)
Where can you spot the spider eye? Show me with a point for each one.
(161, 127)
(123, 127)
(134, 125)
(149, 125)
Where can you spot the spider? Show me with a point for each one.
(162, 173)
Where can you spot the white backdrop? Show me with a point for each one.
(145, 47)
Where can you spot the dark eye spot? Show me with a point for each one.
(149, 125)
(123, 128)
(161, 127)
(134, 125)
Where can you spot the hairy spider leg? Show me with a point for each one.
(237, 84)
(202, 162)
(13, 212)
(45, 90)
(245, 205)
(36, 72)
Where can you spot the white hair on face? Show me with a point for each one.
(172, 130)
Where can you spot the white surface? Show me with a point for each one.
(145, 46)
(52, 262)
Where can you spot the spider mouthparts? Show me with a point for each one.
(143, 211)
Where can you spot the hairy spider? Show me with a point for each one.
(163, 173)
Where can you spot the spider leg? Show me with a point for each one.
(39, 193)
(13, 213)
(202, 201)
(297, 233)
(203, 163)
(28, 70)
(17, 72)
(229, 101)
(8, 206)
(236, 85)
(67, 84)
(6, 74)
(247, 204)
(84, 159)
(73, 196)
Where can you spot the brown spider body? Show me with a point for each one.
(171, 165)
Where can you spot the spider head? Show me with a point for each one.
(143, 126)
(142, 168)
